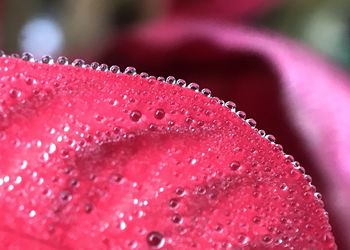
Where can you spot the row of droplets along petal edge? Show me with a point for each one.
(62, 60)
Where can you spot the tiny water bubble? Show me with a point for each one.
(241, 114)
(135, 115)
(144, 75)
(114, 69)
(251, 122)
(155, 239)
(180, 191)
(193, 86)
(230, 105)
(161, 78)
(15, 93)
(94, 65)
(27, 57)
(88, 208)
(47, 60)
(173, 203)
(235, 165)
(206, 92)
(267, 239)
(177, 219)
(78, 63)
(243, 239)
(159, 114)
(103, 67)
(270, 138)
(62, 60)
(181, 82)
(130, 71)
(171, 80)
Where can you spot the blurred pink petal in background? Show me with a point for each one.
(221, 9)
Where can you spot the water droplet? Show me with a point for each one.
(130, 71)
(200, 190)
(171, 80)
(219, 228)
(206, 92)
(88, 208)
(144, 75)
(62, 60)
(171, 123)
(94, 65)
(27, 57)
(267, 238)
(161, 78)
(15, 93)
(155, 239)
(18, 180)
(241, 114)
(318, 196)
(284, 186)
(256, 219)
(153, 127)
(159, 114)
(65, 196)
(243, 239)
(181, 82)
(193, 86)
(180, 191)
(32, 213)
(122, 225)
(47, 60)
(231, 105)
(262, 132)
(173, 203)
(116, 178)
(78, 63)
(74, 182)
(270, 138)
(177, 219)
(251, 122)
(135, 115)
(114, 69)
(103, 67)
(235, 165)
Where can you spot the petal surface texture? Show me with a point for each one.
(101, 160)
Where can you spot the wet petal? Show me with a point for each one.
(296, 94)
(96, 159)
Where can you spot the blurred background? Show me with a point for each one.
(73, 27)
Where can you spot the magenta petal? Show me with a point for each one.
(292, 93)
(222, 9)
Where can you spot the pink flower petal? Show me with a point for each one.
(227, 9)
(91, 159)
(291, 92)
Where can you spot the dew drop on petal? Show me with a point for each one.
(173, 203)
(235, 165)
(135, 115)
(155, 239)
(159, 114)
(177, 219)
